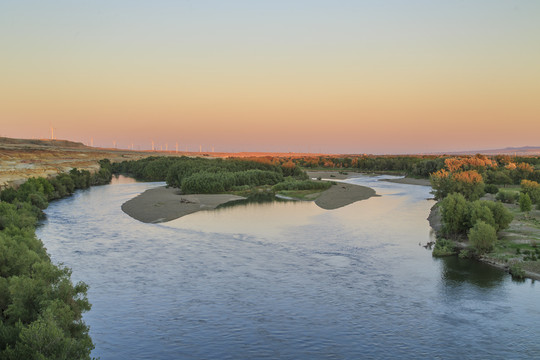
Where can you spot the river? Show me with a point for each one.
(286, 280)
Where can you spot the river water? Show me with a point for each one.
(286, 280)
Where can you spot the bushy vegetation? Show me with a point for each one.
(418, 166)
(472, 176)
(525, 203)
(302, 185)
(444, 247)
(491, 189)
(459, 215)
(482, 237)
(455, 214)
(216, 182)
(532, 189)
(40, 308)
(508, 197)
(204, 176)
(517, 271)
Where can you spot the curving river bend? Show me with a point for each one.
(285, 280)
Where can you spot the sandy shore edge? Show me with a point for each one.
(163, 204)
(343, 194)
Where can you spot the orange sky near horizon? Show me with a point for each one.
(342, 77)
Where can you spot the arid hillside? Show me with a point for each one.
(24, 158)
(21, 159)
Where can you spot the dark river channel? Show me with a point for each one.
(286, 280)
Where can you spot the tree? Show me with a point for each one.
(502, 216)
(469, 183)
(455, 214)
(500, 177)
(480, 211)
(482, 237)
(525, 203)
(531, 188)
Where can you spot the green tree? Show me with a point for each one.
(531, 188)
(482, 237)
(455, 214)
(525, 203)
(480, 211)
(502, 216)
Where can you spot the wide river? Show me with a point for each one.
(286, 280)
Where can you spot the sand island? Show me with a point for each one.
(163, 204)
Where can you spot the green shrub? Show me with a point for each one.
(39, 200)
(525, 203)
(206, 182)
(459, 215)
(302, 185)
(508, 197)
(444, 247)
(491, 189)
(517, 271)
(482, 237)
(502, 216)
(479, 210)
(8, 195)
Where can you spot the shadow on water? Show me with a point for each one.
(255, 198)
(456, 271)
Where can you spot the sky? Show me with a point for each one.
(379, 77)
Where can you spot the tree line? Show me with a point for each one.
(40, 308)
(207, 176)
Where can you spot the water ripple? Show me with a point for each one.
(285, 280)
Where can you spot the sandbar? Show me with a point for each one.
(343, 194)
(163, 204)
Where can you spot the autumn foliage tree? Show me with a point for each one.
(531, 188)
(468, 183)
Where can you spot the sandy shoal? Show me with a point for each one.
(165, 204)
(343, 194)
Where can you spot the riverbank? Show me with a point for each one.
(504, 254)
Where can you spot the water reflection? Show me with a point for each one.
(455, 271)
(121, 179)
(254, 198)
